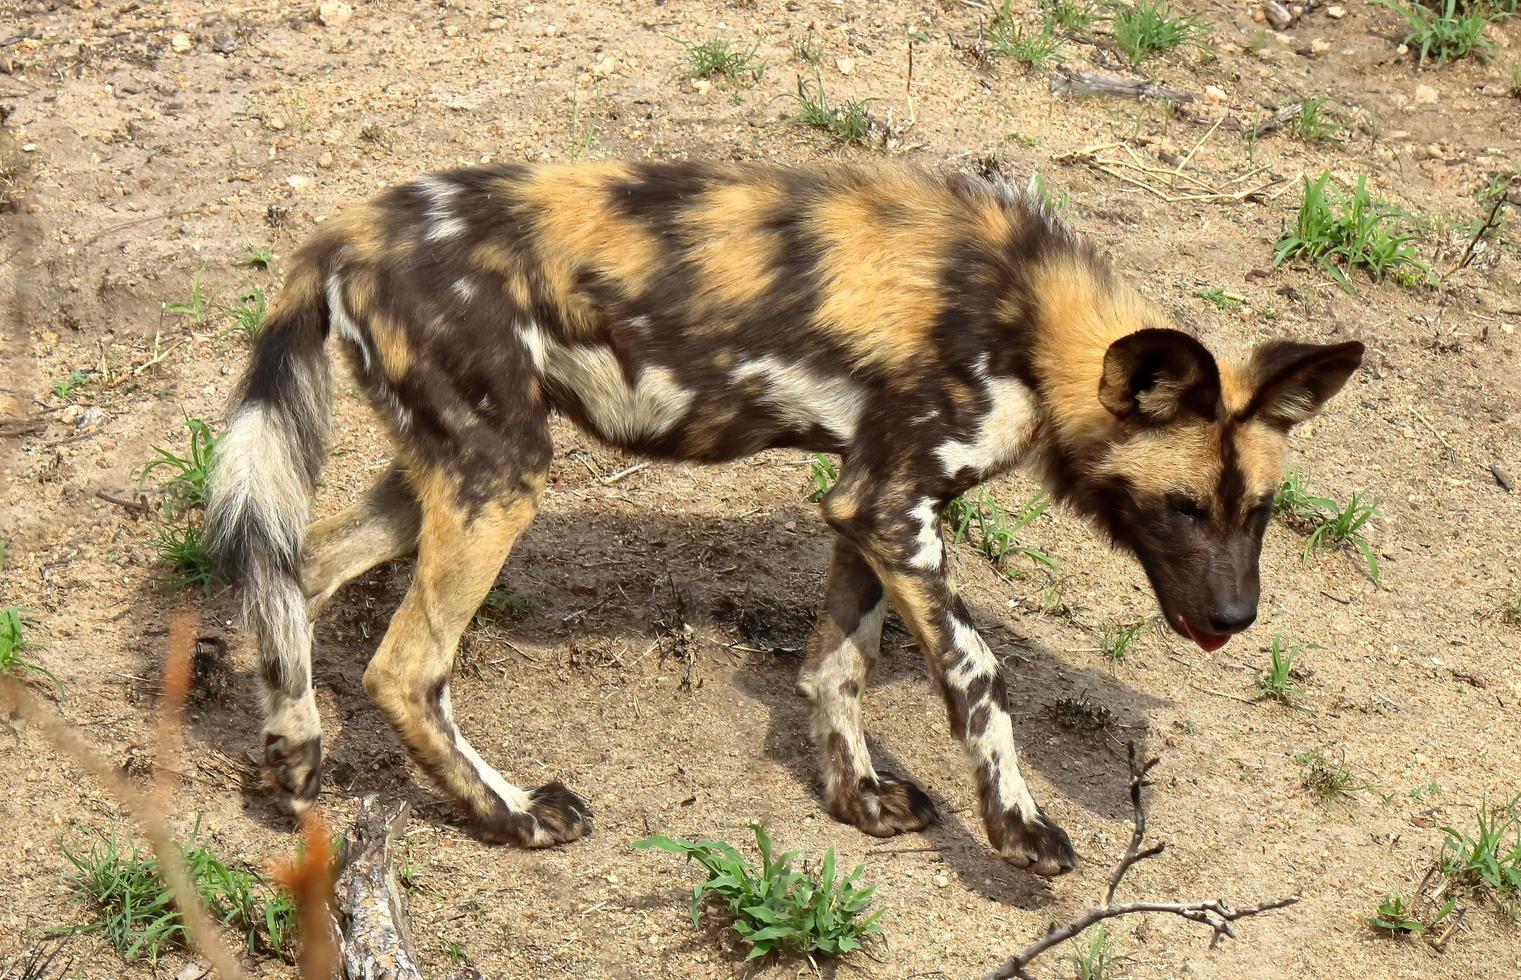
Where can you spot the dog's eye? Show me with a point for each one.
(1185, 506)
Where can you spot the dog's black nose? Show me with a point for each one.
(1232, 617)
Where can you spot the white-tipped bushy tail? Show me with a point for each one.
(264, 468)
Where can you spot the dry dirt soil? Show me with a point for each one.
(141, 160)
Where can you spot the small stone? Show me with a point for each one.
(1426, 95)
(451, 30)
(701, 86)
(847, 66)
(1336, 12)
(276, 123)
(325, 160)
(180, 42)
(225, 45)
(334, 13)
(298, 182)
(1319, 47)
(28, 147)
(605, 66)
(940, 881)
(1215, 93)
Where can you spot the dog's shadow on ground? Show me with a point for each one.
(755, 580)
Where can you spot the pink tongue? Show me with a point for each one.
(1208, 642)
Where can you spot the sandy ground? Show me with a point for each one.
(148, 165)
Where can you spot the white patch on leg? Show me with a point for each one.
(928, 547)
(347, 329)
(801, 396)
(975, 661)
(514, 798)
(440, 194)
(622, 413)
(1002, 435)
(850, 660)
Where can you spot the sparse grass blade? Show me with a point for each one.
(177, 533)
(1118, 640)
(984, 523)
(1093, 956)
(822, 475)
(1329, 780)
(1488, 858)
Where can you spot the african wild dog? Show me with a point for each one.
(933, 330)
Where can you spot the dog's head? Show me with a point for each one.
(1188, 483)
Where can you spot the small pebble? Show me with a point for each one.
(1336, 13)
(180, 42)
(325, 160)
(940, 881)
(1426, 95)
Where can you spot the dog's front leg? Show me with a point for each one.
(898, 532)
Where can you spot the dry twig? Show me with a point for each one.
(1213, 912)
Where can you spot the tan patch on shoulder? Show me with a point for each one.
(880, 280)
(731, 240)
(576, 226)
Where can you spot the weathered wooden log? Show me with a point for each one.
(375, 928)
(1095, 83)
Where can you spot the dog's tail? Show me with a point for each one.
(265, 466)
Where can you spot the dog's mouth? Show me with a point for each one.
(1207, 641)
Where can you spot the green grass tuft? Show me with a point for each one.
(1487, 860)
(178, 538)
(719, 58)
(847, 122)
(1318, 122)
(65, 386)
(260, 258)
(776, 907)
(1093, 956)
(1118, 640)
(1328, 779)
(137, 915)
(1331, 526)
(1220, 298)
(14, 643)
(1344, 233)
(1076, 16)
(822, 475)
(1003, 35)
(1277, 682)
(1396, 915)
(1149, 27)
(984, 523)
(1448, 33)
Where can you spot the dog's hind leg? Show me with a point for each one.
(381, 525)
(461, 547)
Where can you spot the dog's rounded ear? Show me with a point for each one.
(1155, 375)
(1293, 380)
